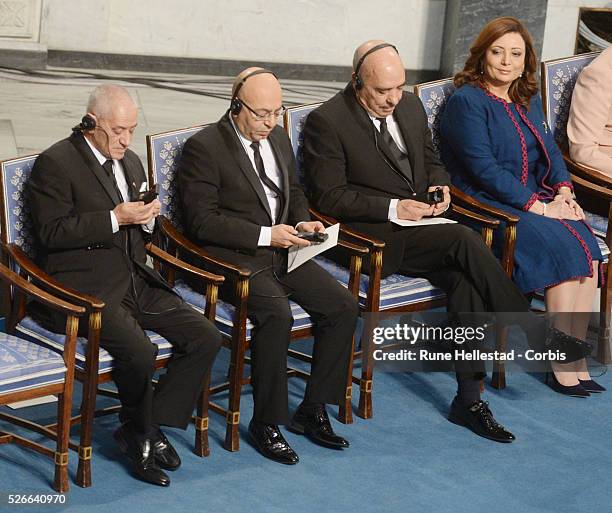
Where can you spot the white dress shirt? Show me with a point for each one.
(123, 187)
(396, 135)
(273, 172)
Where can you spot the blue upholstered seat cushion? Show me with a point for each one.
(598, 224)
(29, 329)
(25, 365)
(395, 291)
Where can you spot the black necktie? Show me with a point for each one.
(261, 171)
(108, 167)
(401, 159)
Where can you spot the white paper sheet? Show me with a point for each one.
(426, 221)
(297, 255)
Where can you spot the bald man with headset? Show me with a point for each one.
(368, 159)
(242, 202)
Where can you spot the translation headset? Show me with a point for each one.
(87, 123)
(236, 104)
(358, 79)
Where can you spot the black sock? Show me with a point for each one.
(468, 391)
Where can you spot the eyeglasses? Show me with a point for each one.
(268, 115)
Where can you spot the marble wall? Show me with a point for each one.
(318, 32)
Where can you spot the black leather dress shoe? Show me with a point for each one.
(479, 419)
(314, 423)
(165, 455)
(270, 442)
(142, 456)
(591, 386)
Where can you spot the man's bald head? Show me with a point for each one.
(261, 97)
(382, 76)
(103, 99)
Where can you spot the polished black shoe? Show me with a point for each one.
(314, 422)
(571, 390)
(479, 419)
(142, 456)
(270, 442)
(591, 386)
(165, 455)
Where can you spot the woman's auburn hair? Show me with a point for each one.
(523, 88)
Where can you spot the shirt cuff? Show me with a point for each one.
(265, 236)
(392, 209)
(114, 222)
(149, 227)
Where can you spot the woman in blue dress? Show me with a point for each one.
(497, 147)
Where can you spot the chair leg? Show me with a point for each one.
(365, 383)
(603, 339)
(202, 448)
(88, 404)
(232, 436)
(60, 481)
(498, 378)
(345, 412)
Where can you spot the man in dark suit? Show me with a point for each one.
(242, 203)
(367, 153)
(91, 237)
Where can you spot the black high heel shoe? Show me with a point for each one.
(572, 390)
(591, 386)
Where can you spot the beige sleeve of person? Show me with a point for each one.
(589, 127)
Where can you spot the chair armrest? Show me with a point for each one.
(473, 216)
(160, 255)
(587, 173)
(185, 244)
(36, 273)
(592, 189)
(39, 294)
(468, 201)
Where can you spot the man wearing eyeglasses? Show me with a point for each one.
(242, 203)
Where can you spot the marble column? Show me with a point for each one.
(465, 18)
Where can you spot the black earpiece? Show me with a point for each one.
(358, 79)
(87, 123)
(236, 104)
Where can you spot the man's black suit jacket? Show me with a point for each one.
(224, 202)
(70, 197)
(352, 179)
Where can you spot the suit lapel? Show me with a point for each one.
(283, 165)
(402, 120)
(364, 121)
(237, 151)
(131, 177)
(92, 163)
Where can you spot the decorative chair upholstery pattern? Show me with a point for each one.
(433, 96)
(17, 232)
(558, 80)
(29, 371)
(164, 151)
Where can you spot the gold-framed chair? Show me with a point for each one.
(164, 150)
(93, 364)
(593, 189)
(29, 371)
(396, 293)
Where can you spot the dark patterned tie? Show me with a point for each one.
(261, 171)
(401, 159)
(108, 167)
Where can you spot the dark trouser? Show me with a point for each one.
(333, 311)
(456, 259)
(195, 343)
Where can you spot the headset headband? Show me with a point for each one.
(252, 74)
(372, 50)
